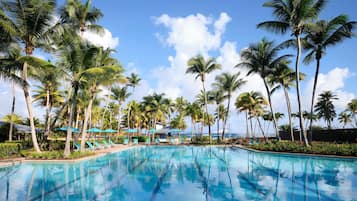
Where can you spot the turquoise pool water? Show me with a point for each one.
(184, 174)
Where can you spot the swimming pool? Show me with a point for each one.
(184, 173)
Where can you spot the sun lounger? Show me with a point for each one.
(126, 141)
(90, 145)
(106, 144)
(135, 141)
(111, 142)
(157, 141)
(147, 141)
(98, 145)
(77, 146)
(172, 141)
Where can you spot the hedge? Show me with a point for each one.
(322, 148)
(9, 149)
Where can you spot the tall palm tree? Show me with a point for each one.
(133, 82)
(321, 35)
(262, 58)
(195, 112)
(105, 71)
(344, 118)
(352, 108)
(49, 95)
(228, 84)
(81, 16)
(220, 115)
(253, 102)
(200, 67)
(10, 67)
(218, 97)
(120, 94)
(293, 15)
(325, 108)
(30, 23)
(285, 78)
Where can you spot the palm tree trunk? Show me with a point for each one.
(261, 128)
(67, 149)
(206, 105)
(12, 112)
(313, 94)
(85, 123)
(47, 111)
(297, 72)
(251, 128)
(119, 113)
(246, 121)
(272, 110)
(288, 105)
(77, 117)
(227, 114)
(28, 100)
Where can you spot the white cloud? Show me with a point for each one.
(334, 81)
(106, 40)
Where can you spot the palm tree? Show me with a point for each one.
(195, 112)
(220, 115)
(321, 35)
(10, 66)
(228, 84)
(262, 58)
(105, 71)
(133, 81)
(344, 118)
(253, 103)
(120, 94)
(200, 67)
(17, 18)
(293, 15)
(218, 97)
(285, 78)
(81, 16)
(325, 108)
(352, 108)
(48, 94)
(16, 119)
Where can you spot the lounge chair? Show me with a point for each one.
(157, 141)
(172, 141)
(77, 146)
(106, 144)
(99, 146)
(90, 145)
(126, 141)
(147, 141)
(111, 142)
(135, 141)
(182, 141)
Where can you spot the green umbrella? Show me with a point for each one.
(152, 130)
(131, 130)
(109, 131)
(74, 130)
(94, 130)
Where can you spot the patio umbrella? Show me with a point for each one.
(94, 130)
(74, 130)
(109, 131)
(175, 130)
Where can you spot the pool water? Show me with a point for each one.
(184, 173)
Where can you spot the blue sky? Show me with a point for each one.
(152, 39)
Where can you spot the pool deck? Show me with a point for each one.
(98, 153)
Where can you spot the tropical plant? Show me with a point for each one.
(29, 23)
(133, 81)
(218, 97)
(15, 118)
(253, 103)
(352, 108)
(284, 77)
(200, 67)
(262, 58)
(344, 118)
(81, 16)
(319, 36)
(325, 108)
(228, 84)
(120, 94)
(293, 15)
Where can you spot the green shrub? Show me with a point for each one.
(118, 140)
(324, 148)
(140, 138)
(200, 140)
(10, 149)
(48, 155)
